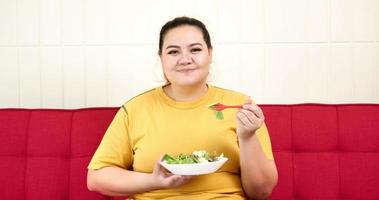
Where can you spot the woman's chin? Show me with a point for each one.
(190, 83)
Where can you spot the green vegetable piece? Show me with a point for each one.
(195, 157)
(169, 159)
(219, 115)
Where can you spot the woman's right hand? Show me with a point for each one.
(163, 179)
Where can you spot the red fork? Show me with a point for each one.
(220, 107)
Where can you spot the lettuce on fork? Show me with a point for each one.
(200, 156)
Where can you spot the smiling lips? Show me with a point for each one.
(186, 70)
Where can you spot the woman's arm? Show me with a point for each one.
(258, 174)
(115, 181)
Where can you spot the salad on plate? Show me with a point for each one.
(197, 163)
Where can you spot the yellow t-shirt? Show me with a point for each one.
(152, 124)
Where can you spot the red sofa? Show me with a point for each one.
(322, 152)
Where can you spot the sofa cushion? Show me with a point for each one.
(325, 151)
(45, 152)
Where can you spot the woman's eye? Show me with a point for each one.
(195, 50)
(173, 52)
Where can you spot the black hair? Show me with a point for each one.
(181, 21)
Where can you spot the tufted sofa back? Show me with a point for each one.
(44, 153)
(322, 151)
(325, 152)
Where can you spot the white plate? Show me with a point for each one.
(194, 168)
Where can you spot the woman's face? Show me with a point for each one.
(185, 56)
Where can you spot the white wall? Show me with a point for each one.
(84, 53)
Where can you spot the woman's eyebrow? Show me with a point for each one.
(172, 46)
(176, 46)
(194, 44)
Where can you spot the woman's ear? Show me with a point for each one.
(210, 51)
(160, 57)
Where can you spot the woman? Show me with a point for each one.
(175, 119)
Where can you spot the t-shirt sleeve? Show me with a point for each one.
(264, 140)
(115, 148)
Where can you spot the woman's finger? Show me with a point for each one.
(157, 167)
(255, 109)
(248, 100)
(243, 119)
(177, 180)
(250, 116)
(170, 181)
(188, 177)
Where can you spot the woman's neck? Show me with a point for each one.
(185, 94)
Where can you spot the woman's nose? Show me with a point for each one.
(185, 59)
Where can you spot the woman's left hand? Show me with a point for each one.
(249, 119)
